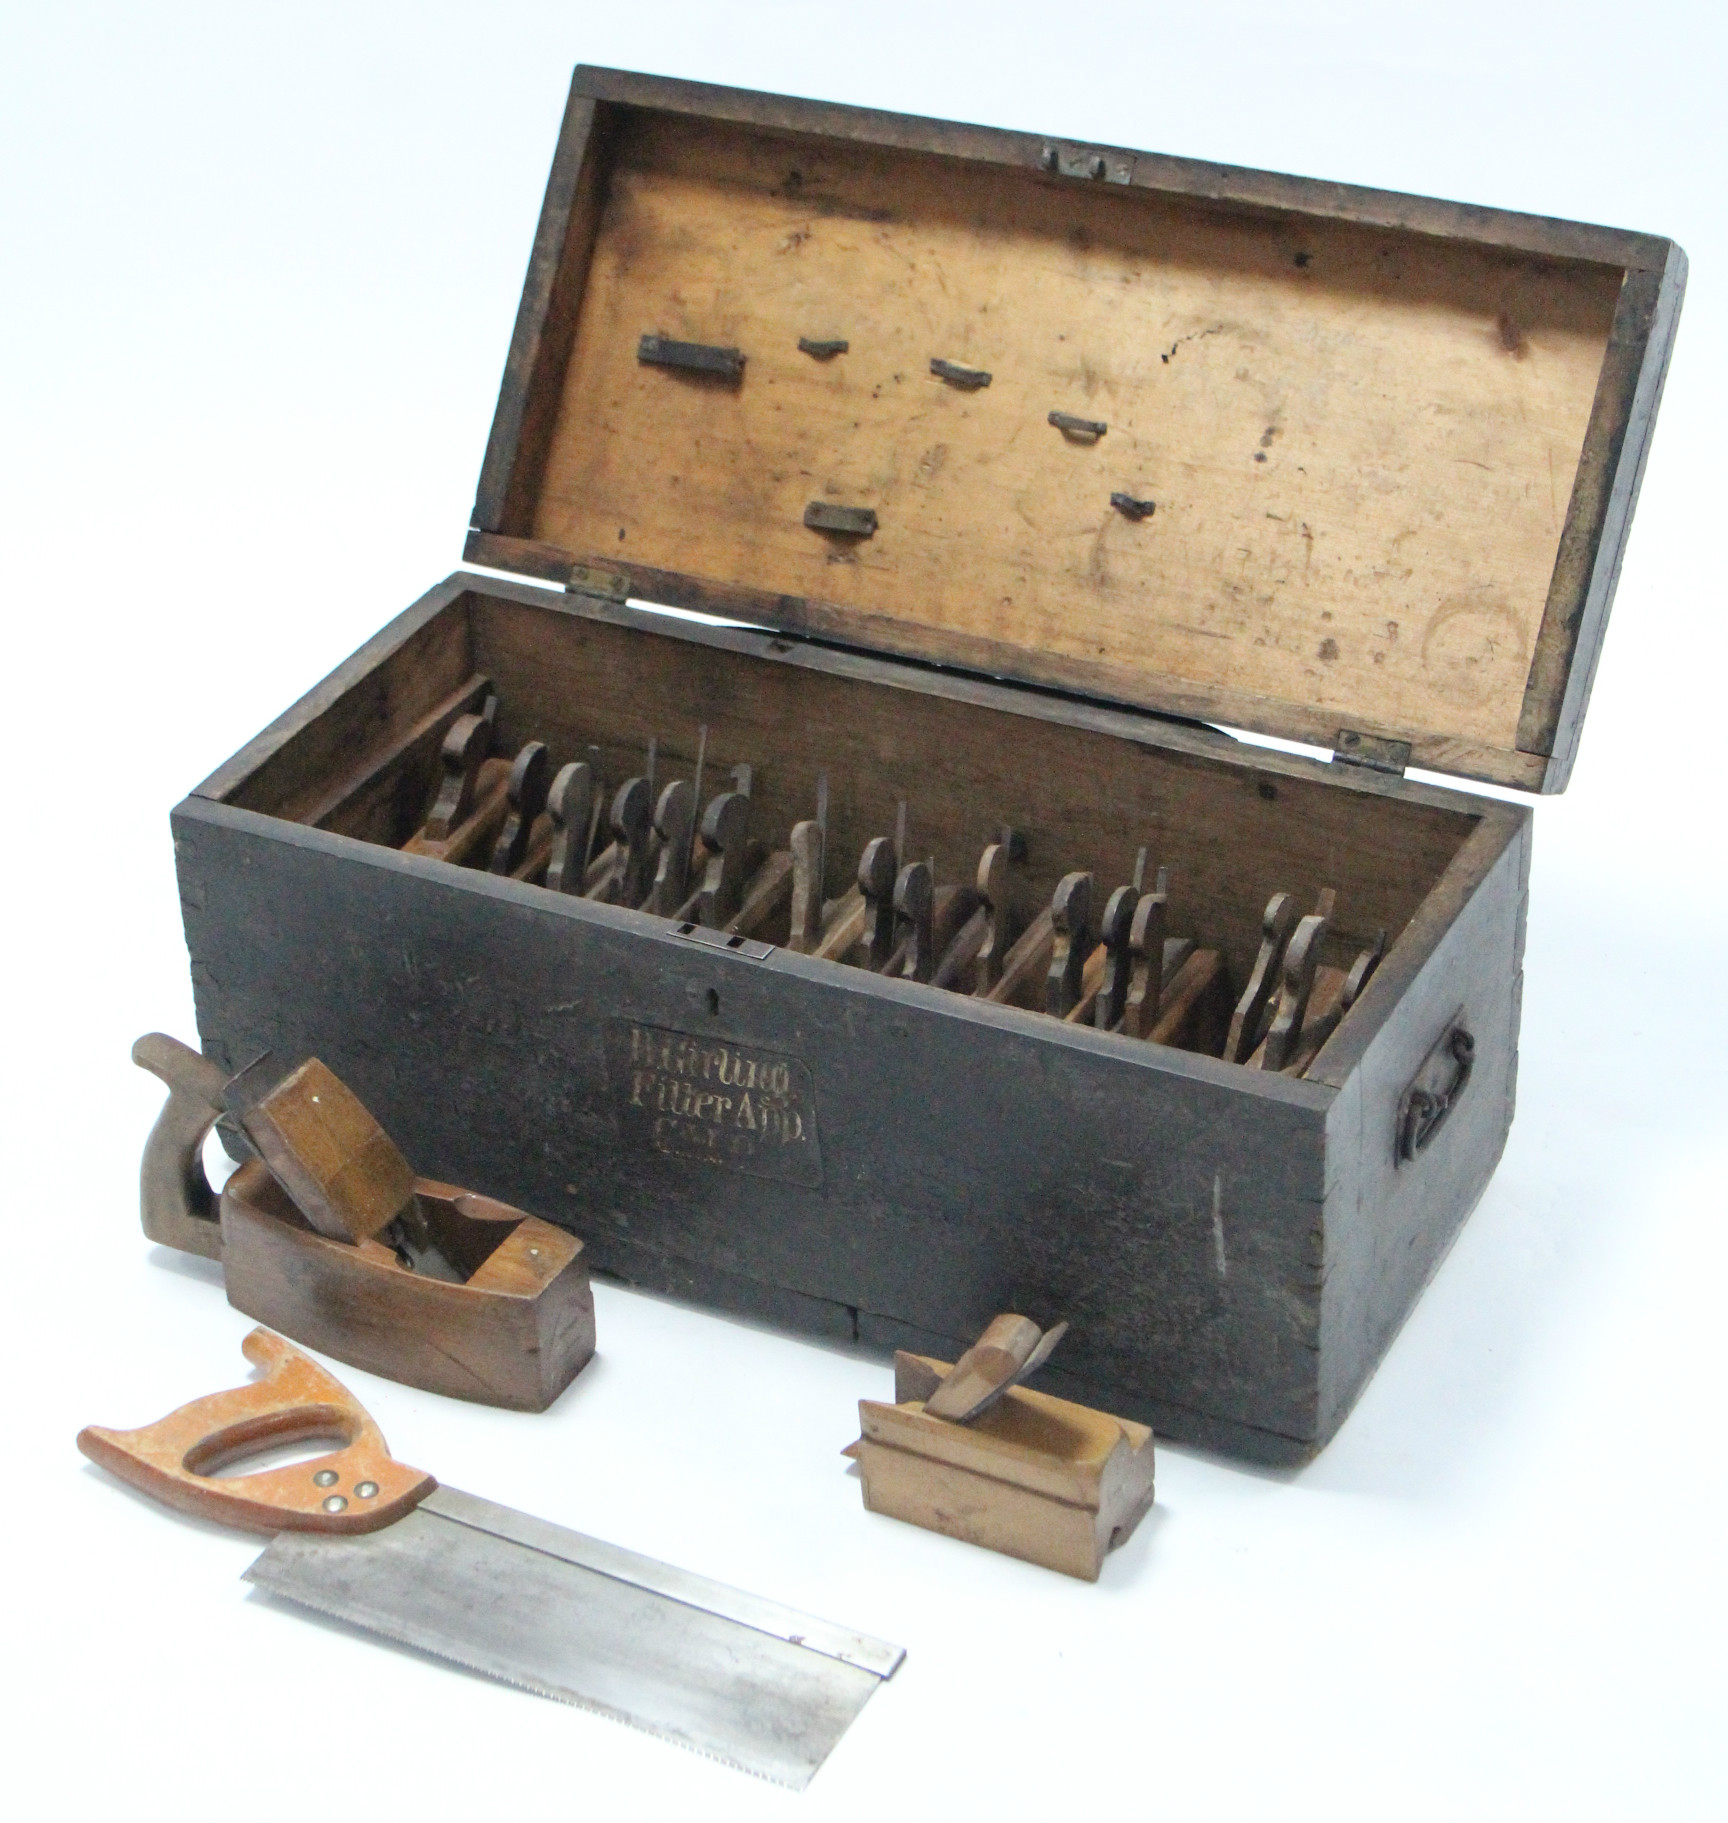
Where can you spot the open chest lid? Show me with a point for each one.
(1332, 464)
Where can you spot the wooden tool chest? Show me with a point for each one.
(1022, 462)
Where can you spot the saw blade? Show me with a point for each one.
(743, 1680)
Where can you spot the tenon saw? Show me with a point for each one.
(368, 1540)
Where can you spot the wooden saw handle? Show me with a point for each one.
(177, 1460)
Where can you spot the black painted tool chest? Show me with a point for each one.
(1020, 467)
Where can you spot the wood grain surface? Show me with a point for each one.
(1362, 444)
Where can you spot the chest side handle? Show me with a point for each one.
(1435, 1089)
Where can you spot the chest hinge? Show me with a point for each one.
(1370, 751)
(608, 585)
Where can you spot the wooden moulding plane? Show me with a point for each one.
(966, 1450)
(328, 1236)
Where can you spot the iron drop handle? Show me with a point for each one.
(1435, 1090)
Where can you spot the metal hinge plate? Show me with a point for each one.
(1370, 751)
(608, 585)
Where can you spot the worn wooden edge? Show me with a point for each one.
(1292, 1091)
(532, 557)
(1500, 825)
(1225, 185)
(1520, 936)
(233, 773)
(1599, 517)
(1337, 1405)
(545, 328)
(1129, 687)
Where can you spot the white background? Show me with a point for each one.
(258, 270)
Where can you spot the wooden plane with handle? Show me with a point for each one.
(328, 1235)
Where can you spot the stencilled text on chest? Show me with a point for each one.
(708, 1098)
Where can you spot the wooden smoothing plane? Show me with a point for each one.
(382, 1546)
(965, 1449)
(329, 1237)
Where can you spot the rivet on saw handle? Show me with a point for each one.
(177, 1460)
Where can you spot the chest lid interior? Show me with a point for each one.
(1251, 449)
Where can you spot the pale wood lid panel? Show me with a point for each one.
(1361, 444)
